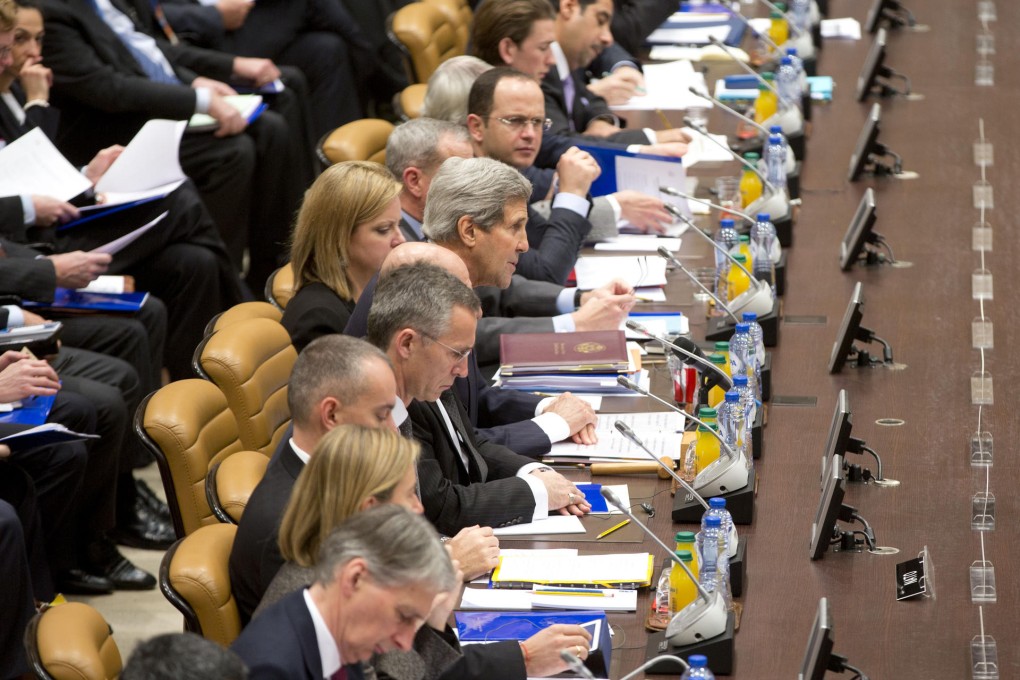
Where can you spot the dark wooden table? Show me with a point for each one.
(925, 312)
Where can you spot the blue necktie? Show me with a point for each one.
(153, 70)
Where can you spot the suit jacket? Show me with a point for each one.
(46, 118)
(601, 217)
(487, 494)
(282, 644)
(633, 20)
(255, 557)
(410, 235)
(313, 312)
(25, 275)
(555, 243)
(105, 95)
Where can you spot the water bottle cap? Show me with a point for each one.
(713, 521)
(716, 503)
(732, 396)
(697, 661)
(717, 358)
(685, 537)
(722, 346)
(775, 139)
(706, 413)
(684, 555)
(740, 257)
(749, 317)
(751, 156)
(726, 223)
(740, 381)
(776, 130)
(743, 328)
(763, 217)
(792, 51)
(786, 61)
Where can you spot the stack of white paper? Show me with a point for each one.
(666, 88)
(553, 524)
(661, 431)
(595, 272)
(582, 570)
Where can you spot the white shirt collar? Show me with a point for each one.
(329, 653)
(562, 67)
(303, 455)
(399, 412)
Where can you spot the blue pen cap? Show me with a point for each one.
(732, 396)
(749, 317)
(763, 217)
(716, 503)
(740, 381)
(743, 328)
(697, 661)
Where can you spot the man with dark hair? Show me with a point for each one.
(183, 656)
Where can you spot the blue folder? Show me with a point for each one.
(33, 411)
(66, 299)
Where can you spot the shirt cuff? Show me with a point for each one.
(572, 202)
(615, 205)
(27, 209)
(16, 317)
(543, 405)
(203, 97)
(564, 323)
(537, 490)
(565, 303)
(553, 425)
(650, 134)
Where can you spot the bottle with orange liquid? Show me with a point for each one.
(767, 103)
(779, 29)
(737, 282)
(750, 184)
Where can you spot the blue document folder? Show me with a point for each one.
(69, 300)
(33, 411)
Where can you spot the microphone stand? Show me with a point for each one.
(635, 326)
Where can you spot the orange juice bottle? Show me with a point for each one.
(750, 183)
(779, 30)
(767, 103)
(717, 393)
(707, 446)
(682, 590)
(745, 249)
(737, 281)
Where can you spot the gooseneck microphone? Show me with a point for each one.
(757, 298)
(747, 22)
(743, 161)
(679, 265)
(750, 71)
(635, 326)
(655, 660)
(627, 432)
(733, 112)
(679, 194)
(701, 620)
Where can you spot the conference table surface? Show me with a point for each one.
(925, 311)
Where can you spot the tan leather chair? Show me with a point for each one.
(409, 101)
(72, 641)
(231, 481)
(459, 15)
(194, 577)
(280, 285)
(188, 427)
(423, 33)
(361, 140)
(251, 362)
(242, 312)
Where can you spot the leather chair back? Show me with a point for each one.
(425, 35)
(72, 641)
(188, 427)
(242, 312)
(231, 482)
(409, 101)
(280, 286)
(251, 362)
(459, 15)
(360, 140)
(194, 577)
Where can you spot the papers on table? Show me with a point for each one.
(638, 243)
(599, 505)
(698, 35)
(701, 150)
(542, 597)
(706, 53)
(661, 432)
(659, 323)
(643, 270)
(147, 165)
(666, 88)
(32, 165)
(596, 570)
(119, 244)
(848, 28)
(650, 294)
(602, 385)
(553, 524)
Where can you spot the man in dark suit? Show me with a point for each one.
(377, 577)
(111, 80)
(462, 480)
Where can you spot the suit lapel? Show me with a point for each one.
(301, 620)
(477, 469)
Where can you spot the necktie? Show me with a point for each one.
(154, 70)
(453, 410)
(568, 94)
(340, 674)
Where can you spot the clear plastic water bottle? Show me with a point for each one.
(712, 542)
(757, 334)
(798, 65)
(747, 399)
(728, 238)
(789, 162)
(764, 240)
(731, 421)
(698, 668)
(717, 506)
(775, 163)
(742, 360)
(788, 83)
(801, 12)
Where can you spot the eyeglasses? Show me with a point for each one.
(517, 123)
(462, 355)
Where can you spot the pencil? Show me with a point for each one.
(612, 529)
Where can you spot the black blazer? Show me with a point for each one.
(255, 557)
(555, 243)
(633, 20)
(45, 117)
(487, 494)
(586, 107)
(313, 312)
(281, 643)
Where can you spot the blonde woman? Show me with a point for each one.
(355, 468)
(348, 223)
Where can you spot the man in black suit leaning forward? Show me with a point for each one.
(376, 579)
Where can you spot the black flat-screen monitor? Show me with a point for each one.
(848, 331)
(839, 433)
(873, 66)
(829, 506)
(858, 233)
(819, 646)
(865, 143)
(890, 10)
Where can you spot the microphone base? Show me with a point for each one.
(740, 503)
(793, 182)
(805, 97)
(784, 229)
(738, 570)
(781, 275)
(723, 328)
(766, 378)
(756, 433)
(719, 651)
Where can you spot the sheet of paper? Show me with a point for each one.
(615, 568)
(707, 53)
(701, 150)
(646, 175)
(659, 324)
(643, 270)
(115, 198)
(149, 161)
(661, 431)
(32, 165)
(701, 35)
(553, 524)
(666, 88)
(498, 599)
(650, 294)
(246, 105)
(119, 244)
(612, 600)
(638, 243)
(105, 284)
(848, 28)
